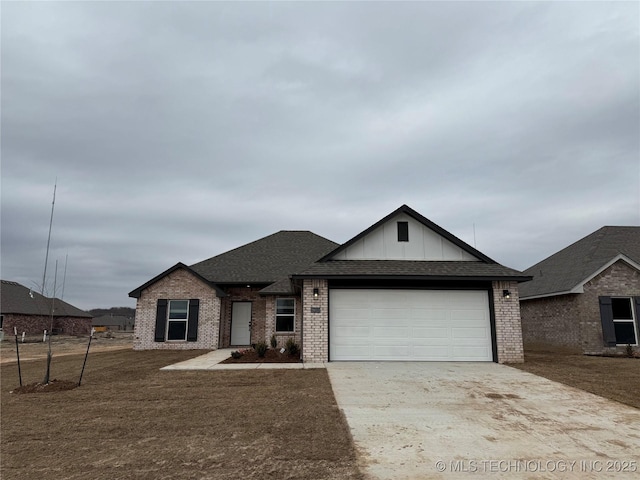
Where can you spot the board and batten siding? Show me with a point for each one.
(424, 244)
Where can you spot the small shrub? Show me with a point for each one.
(236, 354)
(629, 350)
(261, 349)
(274, 342)
(292, 347)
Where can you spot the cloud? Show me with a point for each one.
(181, 130)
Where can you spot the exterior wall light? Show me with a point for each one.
(316, 292)
(506, 293)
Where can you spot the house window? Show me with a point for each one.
(1, 322)
(178, 318)
(403, 231)
(285, 314)
(624, 322)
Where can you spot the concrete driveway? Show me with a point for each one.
(464, 420)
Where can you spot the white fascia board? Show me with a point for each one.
(545, 295)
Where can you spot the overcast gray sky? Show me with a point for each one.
(178, 131)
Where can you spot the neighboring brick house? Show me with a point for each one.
(587, 296)
(403, 289)
(30, 312)
(113, 323)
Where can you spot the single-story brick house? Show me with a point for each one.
(113, 323)
(30, 312)
(403, 289)
(587, 295)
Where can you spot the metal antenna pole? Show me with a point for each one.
(46, 258)
(64, 278)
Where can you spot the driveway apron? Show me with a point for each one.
(463, 420)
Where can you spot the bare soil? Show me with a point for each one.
(615, 378)
(34, 348)
(129, 420)
(271, 356)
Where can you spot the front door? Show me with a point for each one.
(241, 323)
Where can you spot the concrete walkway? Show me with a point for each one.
(211, 361)
(413, 420)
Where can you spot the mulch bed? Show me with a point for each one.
(272, 356)
(52, 386)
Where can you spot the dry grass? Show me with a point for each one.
(130, 420)
(614, 378)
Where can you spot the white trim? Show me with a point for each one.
(546, 295)
(632, 320)
(275, 326)
(185, 320)
(579, 287)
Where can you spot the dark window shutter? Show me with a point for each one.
(637, 302)
(606, 317)
(192, 330)
(161, 320)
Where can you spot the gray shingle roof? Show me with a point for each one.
(411, 269)
(568, 268)
(281, 287)
(266, 260)
(18, 299)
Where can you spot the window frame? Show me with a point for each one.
(292, 315)
(175, 320)
(632, 320)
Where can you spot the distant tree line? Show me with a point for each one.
(115, 311)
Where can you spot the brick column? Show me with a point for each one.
(508, 326)
(315, 334)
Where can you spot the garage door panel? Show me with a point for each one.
(391, 352)
(409, 325)
(470, 353)
(355, 353)
(469, 333)
(429, 332)
(436, 353)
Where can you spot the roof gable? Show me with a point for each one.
(427, 242)
(569, 269)
(138, 291)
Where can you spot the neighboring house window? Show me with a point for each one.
(403, 231)
(177, 320)
(285, 314)
(624, 323)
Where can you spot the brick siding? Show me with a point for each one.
(551, 322)
(315, 331)
(508, 327)
(178, 285)
(37, 324)
(574, 320)
(270, 324)
(258, 313)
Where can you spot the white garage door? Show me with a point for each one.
(445, 325)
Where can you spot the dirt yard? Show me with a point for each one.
(61, 345)
(130, 420)
(613, 378)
